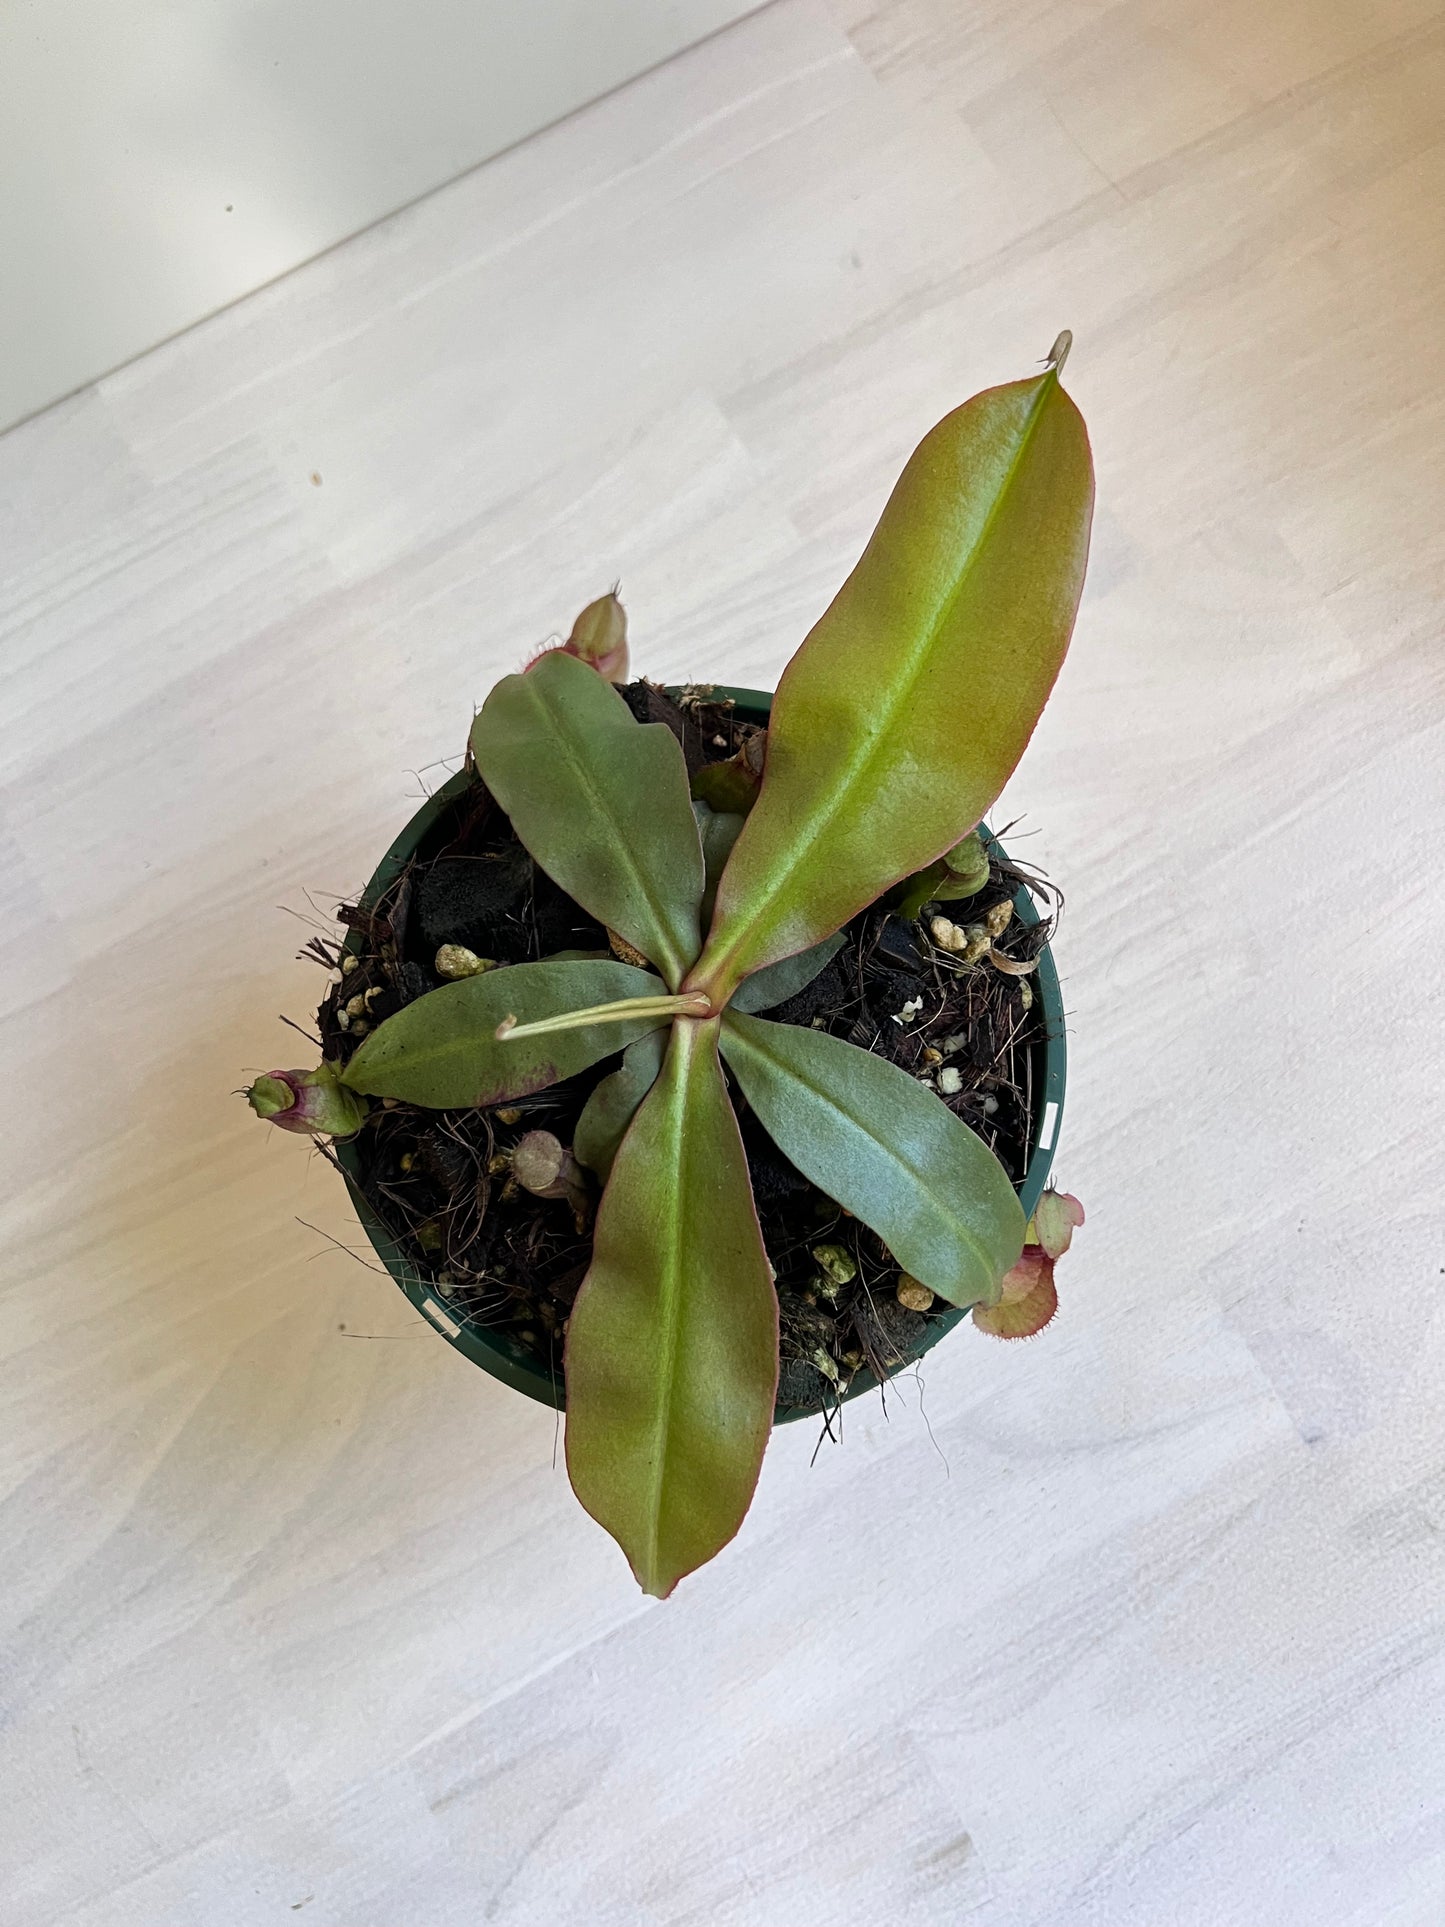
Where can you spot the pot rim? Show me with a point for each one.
(500, 1355)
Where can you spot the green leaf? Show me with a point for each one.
(600, 800)
(922, 887)
(732, 787)
(613, 1104)
(442, 1051)
(719, 831)
(886, 1149)
(672, 1348)
(766, 989)
(960, 872)
(907, 707)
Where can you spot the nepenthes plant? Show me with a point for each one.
(893, 729)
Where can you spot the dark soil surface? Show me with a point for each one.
(502, 1258)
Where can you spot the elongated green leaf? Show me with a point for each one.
(902, 715)
(672, 1348)
(443, 1051)
(886, 1149)
(614, 1103)
(600, 800)
(719, 831)
(766, 989)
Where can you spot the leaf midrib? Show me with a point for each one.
(460, 1045)
(672, 1295)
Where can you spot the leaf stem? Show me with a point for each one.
(690, 1003)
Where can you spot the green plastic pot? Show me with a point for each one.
(498, 1354)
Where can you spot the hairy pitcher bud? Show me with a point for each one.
(599, 637)
(315, 1102)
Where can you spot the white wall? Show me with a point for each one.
(159, 160)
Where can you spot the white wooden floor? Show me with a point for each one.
(1140, 1625)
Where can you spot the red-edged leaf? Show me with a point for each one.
(900, 718)
(672, 1348)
